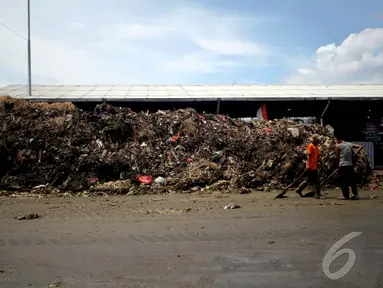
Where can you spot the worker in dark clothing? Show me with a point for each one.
(344, 153)
(312, 168)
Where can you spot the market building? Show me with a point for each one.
(355, 110)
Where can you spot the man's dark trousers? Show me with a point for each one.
(347, 179)
(312, 179)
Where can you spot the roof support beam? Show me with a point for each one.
(218, 105)
(324, 112)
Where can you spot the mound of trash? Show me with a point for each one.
(60, 146)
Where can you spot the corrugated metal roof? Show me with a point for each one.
(194, 92)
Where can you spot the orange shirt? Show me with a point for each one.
(314, 152)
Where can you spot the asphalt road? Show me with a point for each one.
(268, 247)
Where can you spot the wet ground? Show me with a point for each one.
(191, 241)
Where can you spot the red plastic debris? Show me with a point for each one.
(202, 117)
(145, 179)
(222, 117)
(228, 135)
(373, 187)
(244, 190)
(19, 156)
(268, 130)
(93, 180)
(175, 138)
(189, 160)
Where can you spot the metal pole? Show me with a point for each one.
(324, 111)
(218, 105)
(29, 49)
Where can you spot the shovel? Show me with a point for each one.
(281, 195)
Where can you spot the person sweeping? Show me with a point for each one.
(312, 168)
(344, 153)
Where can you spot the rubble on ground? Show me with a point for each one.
(376, 181)
(231, 206)
(28, 216)
(115, 149)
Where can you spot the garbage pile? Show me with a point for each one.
(60, 146)
(377, 180)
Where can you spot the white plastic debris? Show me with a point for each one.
(40, 186)
(330, 129)
(99, 143)
(160, 180)
(294, 132)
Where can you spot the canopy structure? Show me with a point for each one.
(259, 93)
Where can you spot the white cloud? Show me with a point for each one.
(128, 43)
(358, 59)
(227, 47)
(199, 63)
(52, 61)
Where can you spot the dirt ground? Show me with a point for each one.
(196, 204)
(187, 240)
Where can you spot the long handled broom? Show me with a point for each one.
(280, 195)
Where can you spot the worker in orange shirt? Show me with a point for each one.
(312, 168)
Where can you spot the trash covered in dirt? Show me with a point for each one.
(55, 284)
(28, 216)
(231, 206)
(244, 190)
(59, 146)
(113, 187)
(376, 180)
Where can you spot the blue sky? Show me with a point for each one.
(193, 42)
